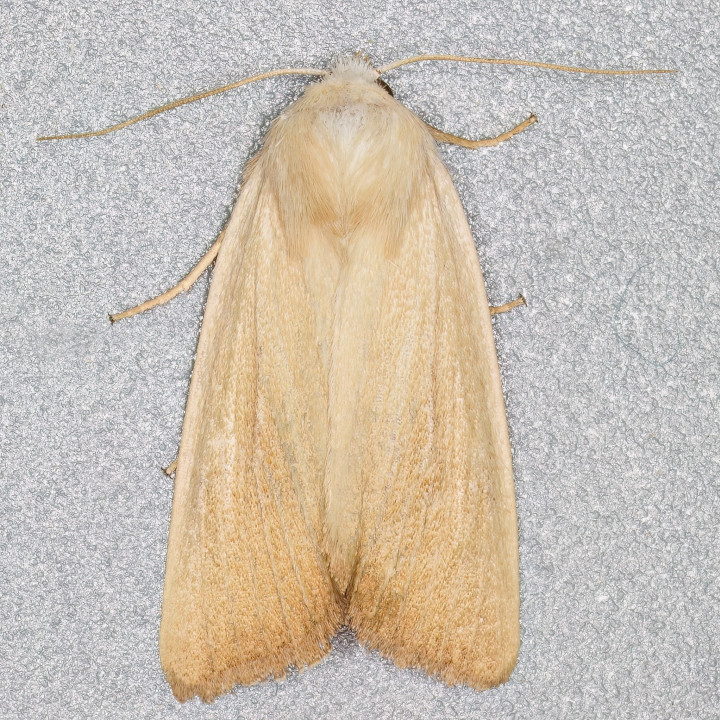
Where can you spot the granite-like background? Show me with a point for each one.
(605, 214)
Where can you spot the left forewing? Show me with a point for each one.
(247, 592)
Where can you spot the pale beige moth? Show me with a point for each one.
(344, 458)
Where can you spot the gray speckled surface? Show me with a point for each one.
(605, 215)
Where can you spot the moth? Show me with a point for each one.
(344, 458)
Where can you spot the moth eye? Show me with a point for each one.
(385, 87)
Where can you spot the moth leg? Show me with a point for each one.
(442, 136)
(183, 285)
(171, 468)
(497, 309)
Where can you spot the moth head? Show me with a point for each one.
(358, 67)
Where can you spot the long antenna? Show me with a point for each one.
(186, 101)
(313, 71)
(526, 63)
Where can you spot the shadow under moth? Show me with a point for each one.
(344, 458)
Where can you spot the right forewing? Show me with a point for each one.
(436, 583)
